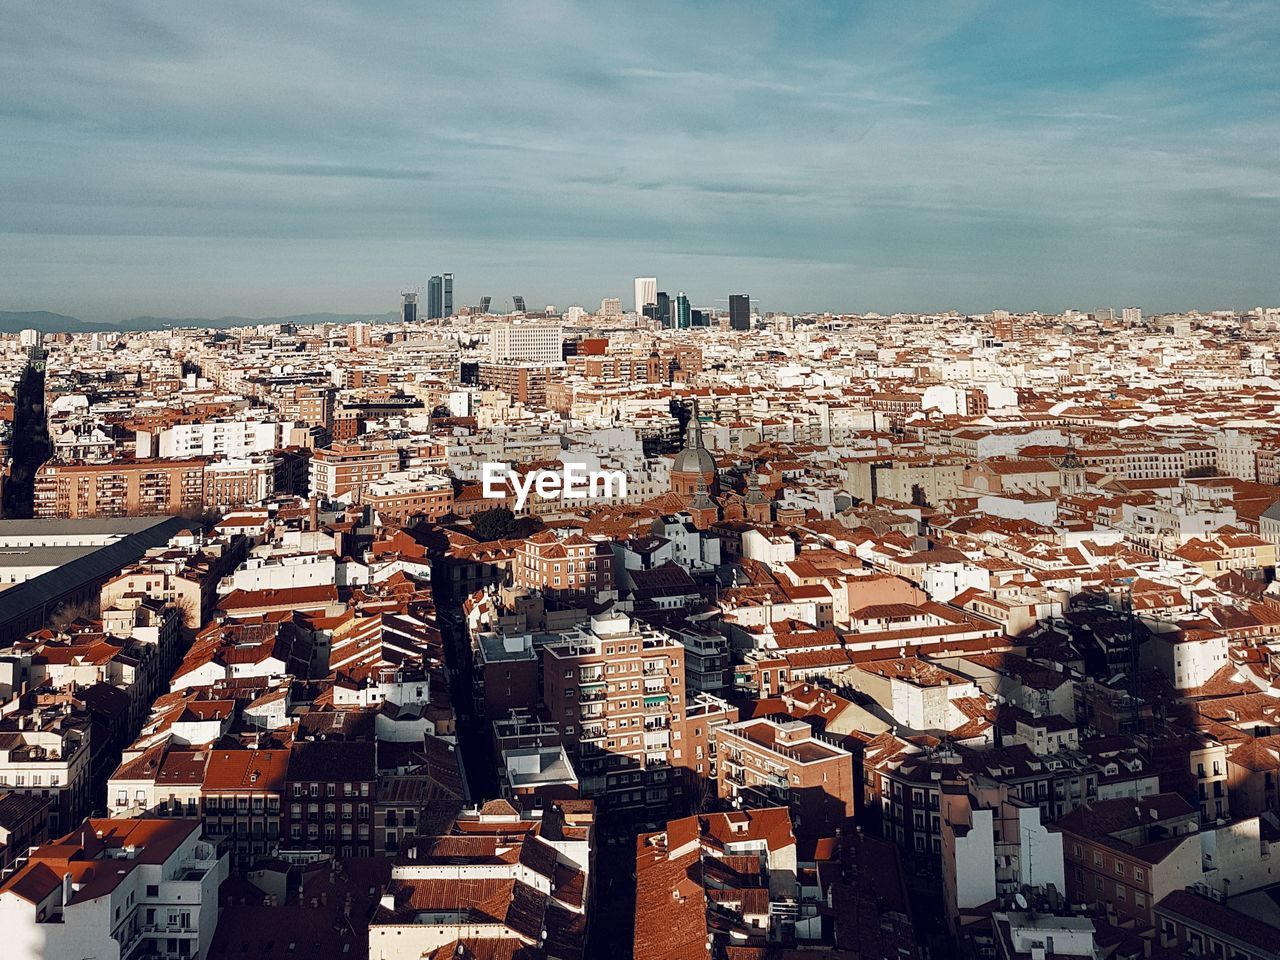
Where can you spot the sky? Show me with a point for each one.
(163, 157)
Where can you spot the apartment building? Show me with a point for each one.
(535, 342)
(45, 752)
(574, 564)
(24, 823)
(519, 885)
(332, 785)
(766, 762)
(241, 481)
(241, 798)
(1126, 855)
(616, 690)
(399, 497)
(525, 383)
(994, 847)
(120, 488)
(116, 888)
(346, 467)
(1200, 926)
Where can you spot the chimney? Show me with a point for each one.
(66, 888)
(315, 513)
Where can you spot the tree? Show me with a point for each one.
(496, 524)
(68, 613)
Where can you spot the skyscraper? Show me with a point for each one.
(664, 308)
(517, 302)
(484, 304)
(409, 309)
(683, 318)
(448, 295)
(646, 293)
(739, 311)
(435, 298)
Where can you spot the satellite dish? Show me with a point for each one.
(1020, 900)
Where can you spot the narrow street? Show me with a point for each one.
(475, 744)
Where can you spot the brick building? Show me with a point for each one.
(766, 762)
(121, 488)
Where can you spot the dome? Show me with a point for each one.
(694, 460)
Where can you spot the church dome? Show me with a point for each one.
(694, 460)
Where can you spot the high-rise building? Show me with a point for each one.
(615, 687)
(435, 298)
(684, 315)
(448, 295)
(1132, 315)
(517, 303)
(1004, 326)
(664, 308)
(739, 311)
(646, 293)
(484, 304)
(526, 342)
(409, 309)
(611, 307)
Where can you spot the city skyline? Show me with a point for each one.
(172, 160)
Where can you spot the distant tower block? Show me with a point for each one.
(646, 293)
(448, 295)
(484, 304)
(409, 309)
(517, 303)
(435, 298)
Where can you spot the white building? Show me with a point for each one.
(529, 342)
(646, 293)
(215, 438)
(115, 888)
(994, 848)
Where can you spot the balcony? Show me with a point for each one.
(169, 929)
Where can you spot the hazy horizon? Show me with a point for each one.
(175, 159)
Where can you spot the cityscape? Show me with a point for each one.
(900, 636)
(705, 481)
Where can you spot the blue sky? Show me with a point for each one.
(259, 158)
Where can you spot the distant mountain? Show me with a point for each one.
(300, 319)
(13, 321)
